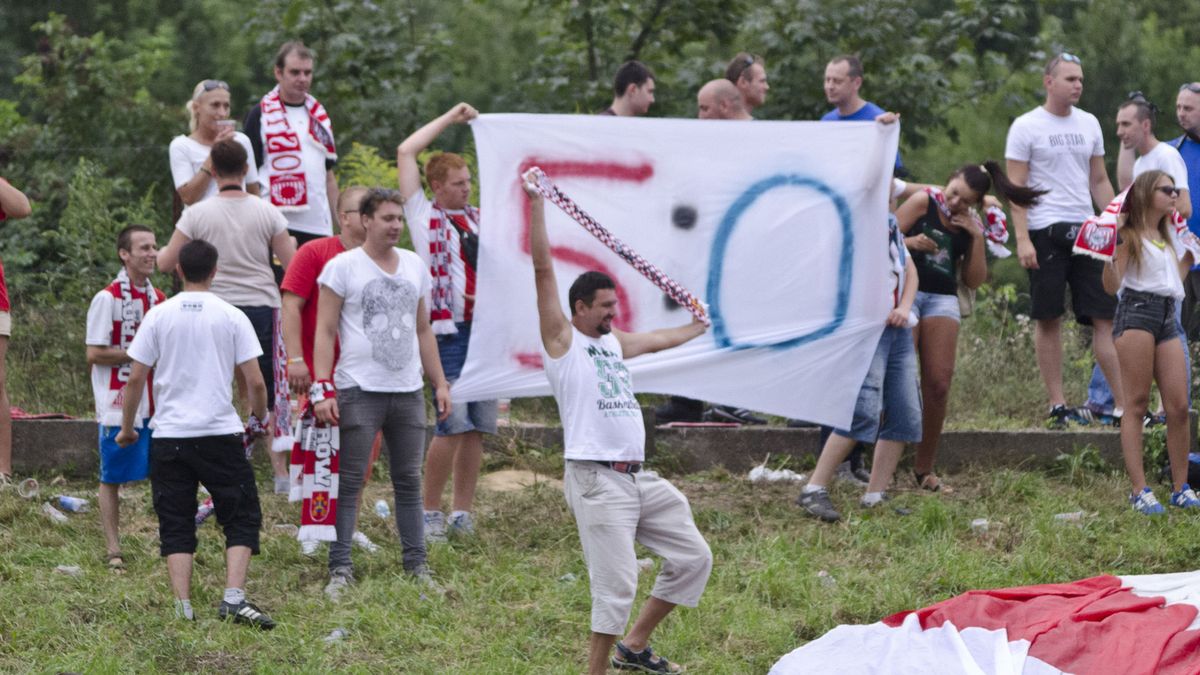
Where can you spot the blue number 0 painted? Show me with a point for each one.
(721, 241)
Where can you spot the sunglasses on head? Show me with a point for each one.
(1190, 86)
(209, 85)
(1168, 190)
(1069, 58)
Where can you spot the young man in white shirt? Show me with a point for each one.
(193, 342)
(615, 503)
(112, 321)
(1059, 148)
(445, 233)
(372, 302)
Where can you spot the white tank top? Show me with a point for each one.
(601, 418)
(1158, 272)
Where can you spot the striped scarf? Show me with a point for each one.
(444, 247)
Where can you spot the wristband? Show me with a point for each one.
(205, 170)
(321, 390)
(295, 359)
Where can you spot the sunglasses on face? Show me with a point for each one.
(1168, 190)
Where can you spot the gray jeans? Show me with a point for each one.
(401, 416)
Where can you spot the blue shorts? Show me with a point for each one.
(929, 305)
(889, 402)
(464, 417)
(123, 465)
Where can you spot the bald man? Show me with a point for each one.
(721, 100)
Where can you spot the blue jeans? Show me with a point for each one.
(1100, 395)
(889, 403)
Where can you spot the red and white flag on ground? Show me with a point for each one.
(1148, 624)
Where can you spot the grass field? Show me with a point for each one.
(518, 598)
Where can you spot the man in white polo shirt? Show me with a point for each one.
(615, 503)
(1060, 148)
(193, 342)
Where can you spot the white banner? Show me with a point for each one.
(781, 227)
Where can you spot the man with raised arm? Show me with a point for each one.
(614, 501)
(445, 233)
(194, 341)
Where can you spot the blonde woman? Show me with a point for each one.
(1148, 271)
(208, 119)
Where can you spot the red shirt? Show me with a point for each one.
(301, 279)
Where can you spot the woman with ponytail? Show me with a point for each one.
(208, 120)
(946, 239)
(1148, 270)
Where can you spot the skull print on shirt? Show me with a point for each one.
(389, 320)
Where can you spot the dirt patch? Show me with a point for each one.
(514, 480)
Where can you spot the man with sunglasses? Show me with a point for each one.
(748, 73)
(1060, 148)
(1187, 111)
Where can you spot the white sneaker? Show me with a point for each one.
(462, 524)
(309, 547)
(360, 539)
(435, 527)
(340, 579)
(283, 486)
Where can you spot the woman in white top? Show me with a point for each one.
(1148, 270)
(208, 119)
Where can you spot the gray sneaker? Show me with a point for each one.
(818, 504)
(435, 527)
(462, 525)
(424, 578)
(283, 486)
(845, 473)
(340, 579)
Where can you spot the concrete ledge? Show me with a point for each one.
(69, 446)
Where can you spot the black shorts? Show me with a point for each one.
(1155, 314)
(1191, 306)
(262, 319)
(1058, 268)
(179, 465)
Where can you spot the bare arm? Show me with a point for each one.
(1124, 167)
(636, 344)
(13, 202)
(298, 376)
(283, 245)
(414, 145)
(193, 190)
(106, 356)
(1018, 173)
(256, 386)
(133, 398)
(898, 317)
(1101, 187)
(431, 363)
(252, 188)
(331, 194)
(975, 259)
(168, 257)
(555, 328)
(329, 312)
(1184, 204)
(1114, 271)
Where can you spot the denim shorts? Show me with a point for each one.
(929, 305)
(1155, 314)
(464, 417)
(889, 402)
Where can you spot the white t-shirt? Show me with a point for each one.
(377, 331)
(188, 155)
(1158, 272)
(1059, 151)
(601, 418)
(103, 330)
(315, 219)
(241, 228)
(193, 341)
(1166, 159)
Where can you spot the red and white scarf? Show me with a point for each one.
(127, 316)
(281, 410)
(445, 247)
(283, 151)
(314, 475)
(1097, 237)
(995, 231)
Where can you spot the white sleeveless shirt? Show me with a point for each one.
(1158, 272)
(601, 418)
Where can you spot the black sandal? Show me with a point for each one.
(645, 661)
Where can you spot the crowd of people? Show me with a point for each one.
(276, 300)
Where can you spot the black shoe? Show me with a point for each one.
(1060, 416)
(725, 413)
(246, 613)
(818, 504)
(679, 409)
(1150, 421)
